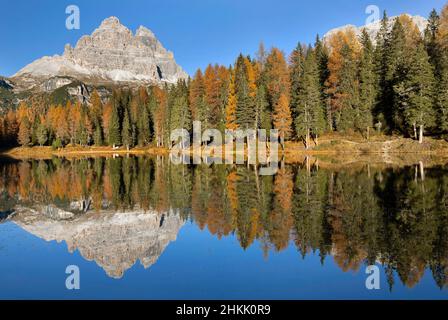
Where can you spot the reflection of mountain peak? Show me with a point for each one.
(114, 240)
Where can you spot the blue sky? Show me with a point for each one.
(197, 31)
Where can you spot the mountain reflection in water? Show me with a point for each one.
(116, 211)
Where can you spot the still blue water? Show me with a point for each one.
(196, 266)
(140, 228)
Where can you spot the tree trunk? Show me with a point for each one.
(420, 140)
(307, 139)
(368, 133)
(422, 170)
(317, 140)
(308, 166)
(330, 119)
(415, 131)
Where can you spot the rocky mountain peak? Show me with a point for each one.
(111, 54)
(144, 32)
(111, 23)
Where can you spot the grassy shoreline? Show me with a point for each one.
(328, 145)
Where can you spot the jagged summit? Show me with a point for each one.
(112, 53)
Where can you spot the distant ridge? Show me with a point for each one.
(373, 28)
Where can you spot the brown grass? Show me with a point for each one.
(378, 147)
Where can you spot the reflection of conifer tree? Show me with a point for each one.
(145, 180)
(219, 219)
(247, 218)
(116, 179)
(129, 176)
(309, 202)
(159, 192)
(180, 184)
(201, 194)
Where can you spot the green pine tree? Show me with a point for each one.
(114, 127)
(42, 134)
(126, 132)
(348, 91)
(367, 86)
(245, 106)
(310, 112)
(98, 135)
(430, 38)
(442, 92)
(415, 93)
(397, 65)
(321, 53)
(383, 110)
(297, 62)
(180, 117)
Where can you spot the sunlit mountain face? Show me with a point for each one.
(144, 217)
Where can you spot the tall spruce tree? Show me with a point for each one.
(309, 110)
(321, 53)
(245, 103)
(367, 86)
(430, 38)
(180, 117)
(397, 62)
(415, 93)
(126, 132)
(114, 126)
(296, 71)
(383, 109)
(42, 134)
(95, 114)
(348, 90)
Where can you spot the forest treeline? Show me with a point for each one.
(396, 83)
(356, 216)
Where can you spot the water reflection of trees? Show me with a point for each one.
(398, 217)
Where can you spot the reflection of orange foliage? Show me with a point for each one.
(254, 224)
(225, 203)
(216, 219)
(232, 179)
(24, 174)
(198, 208)
(414, 274)
(107, 185)
(348, 252)
(280, 218)
(283, 188)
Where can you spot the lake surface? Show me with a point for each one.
(142, 227)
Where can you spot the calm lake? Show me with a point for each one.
(142, 227)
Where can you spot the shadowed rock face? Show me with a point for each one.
(112, 53)
(114, 240)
